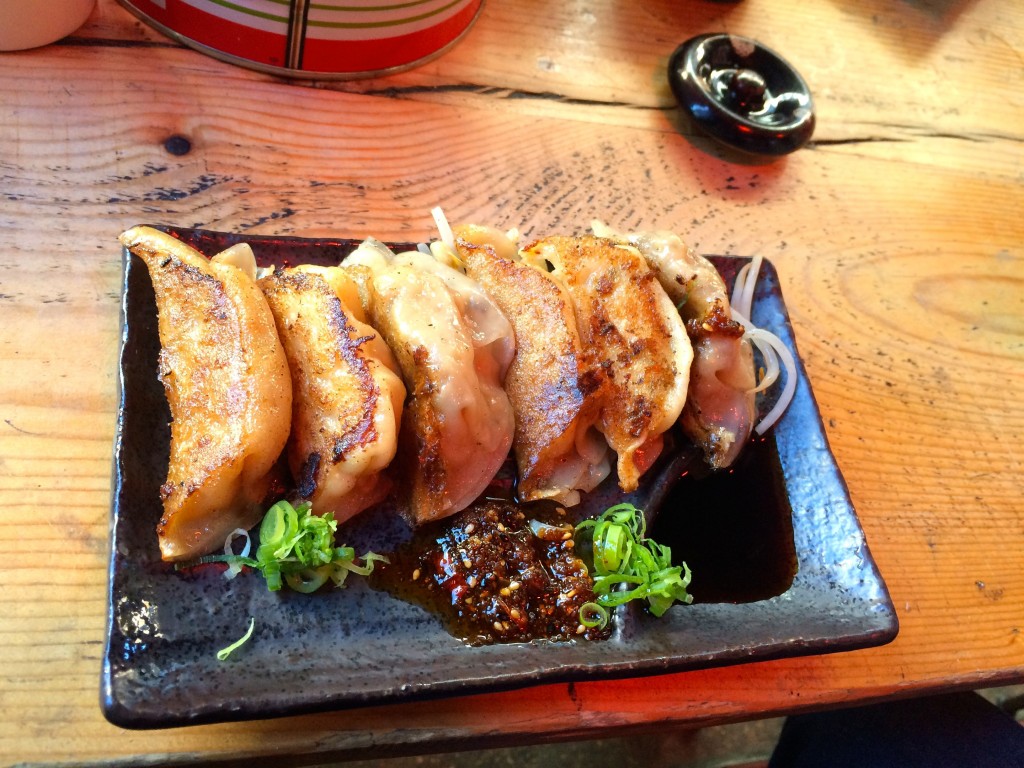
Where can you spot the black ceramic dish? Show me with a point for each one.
(797, 576)
(742, 93)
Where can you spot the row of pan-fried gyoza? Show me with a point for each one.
(415, 373)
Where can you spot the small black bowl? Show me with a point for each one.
(742, 94)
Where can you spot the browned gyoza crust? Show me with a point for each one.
(227, 384)
(720, 408)
(629, 322)
(551, 384)
(341, 418)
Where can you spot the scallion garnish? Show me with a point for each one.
(223, 653)
(593, 615)
(297, 548)
(629, 566)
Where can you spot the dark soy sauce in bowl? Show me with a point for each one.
(733, 528)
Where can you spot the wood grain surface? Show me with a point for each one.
(898, 235)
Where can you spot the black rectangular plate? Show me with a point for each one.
(356, 646)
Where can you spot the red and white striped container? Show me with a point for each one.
(313, 38)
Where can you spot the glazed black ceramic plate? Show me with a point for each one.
(780, 567)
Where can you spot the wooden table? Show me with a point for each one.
(898, 234)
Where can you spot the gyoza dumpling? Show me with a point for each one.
(554, 387)
(453, 348)
(720, 410)
(625, 316)
(227, 383)
(347, 393)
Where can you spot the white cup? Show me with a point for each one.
(31, 23)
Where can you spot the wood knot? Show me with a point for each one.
(178, 145)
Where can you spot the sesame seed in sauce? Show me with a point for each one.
(507, 586)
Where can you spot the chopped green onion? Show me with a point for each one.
(297, 548)
(611, 546)
(308, 579)
(363, 570)
(223, 653)
(593, 615)
(629, 566)
(279, 524)
(271, 571)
